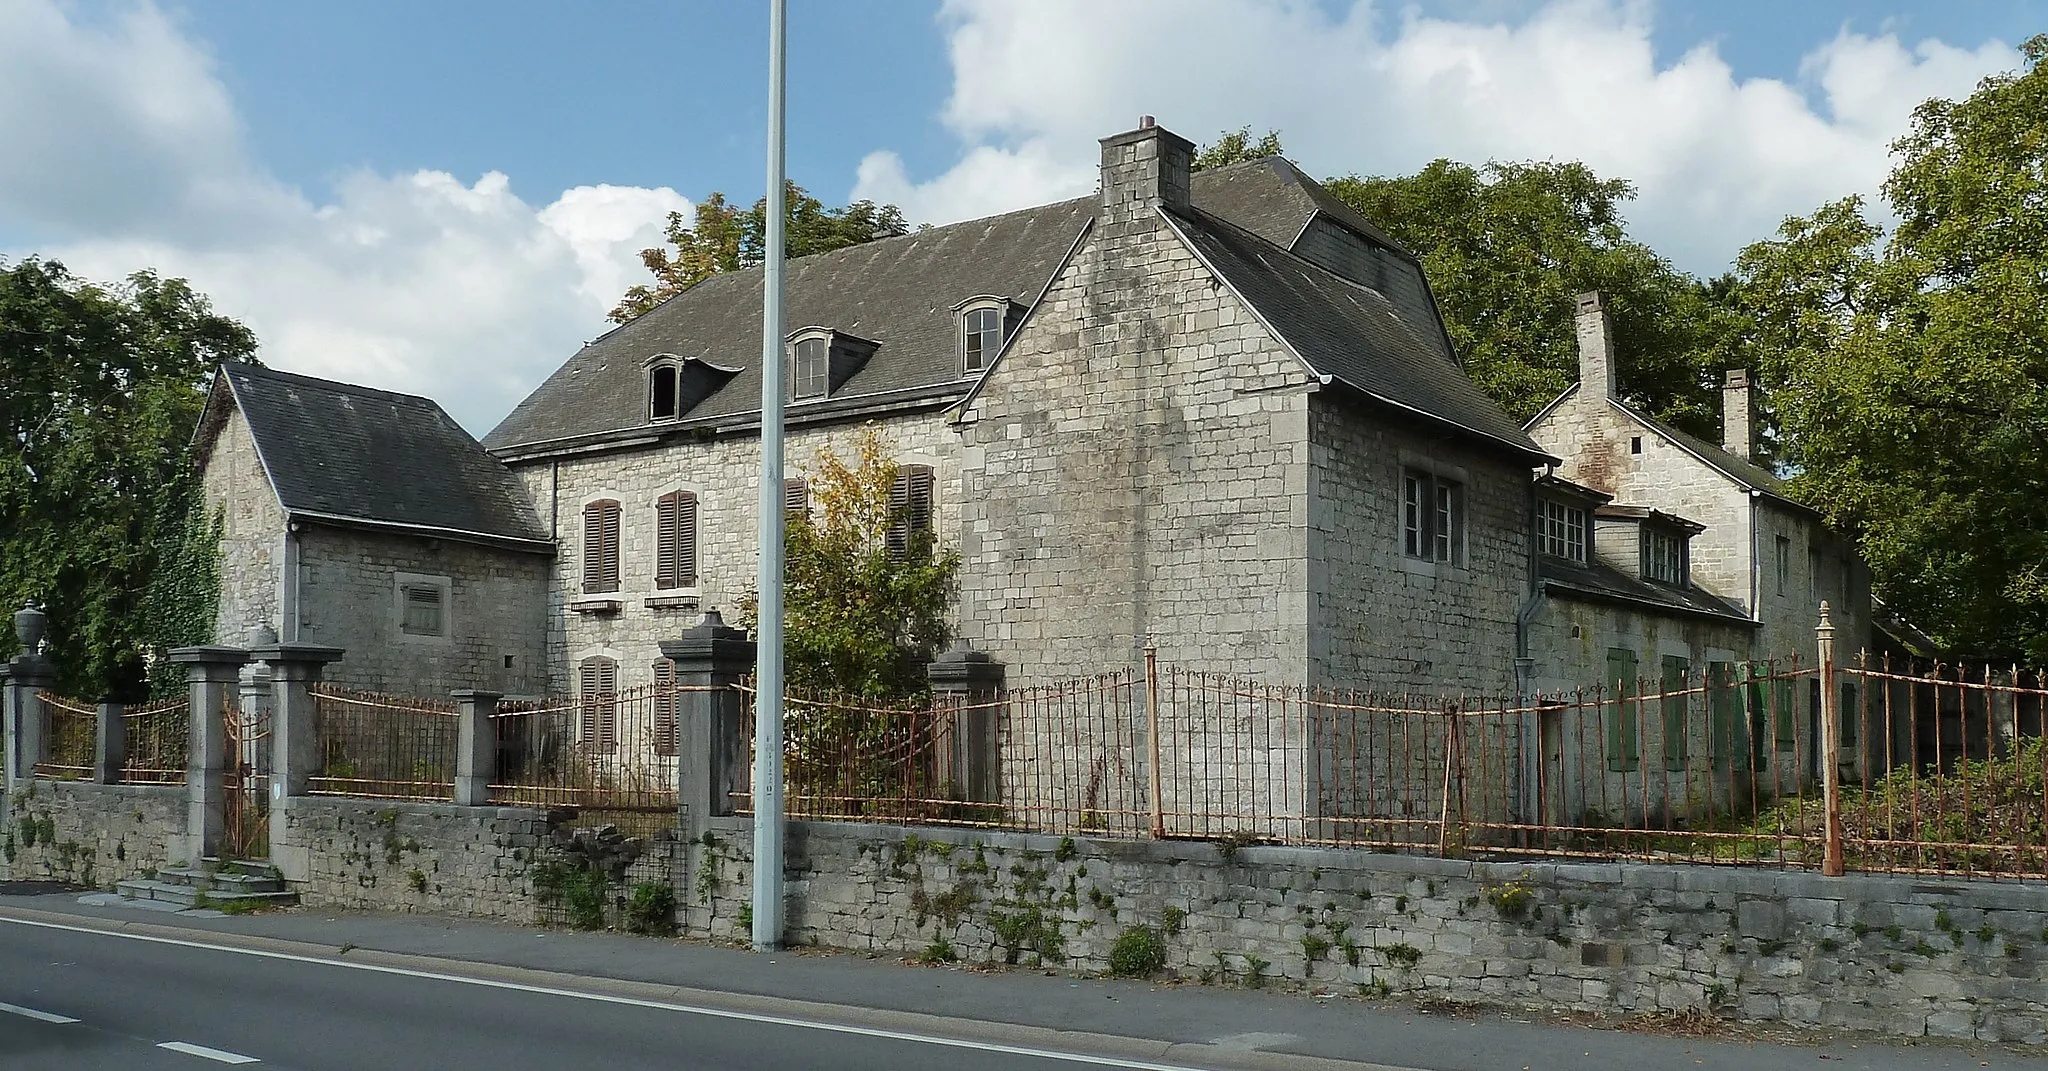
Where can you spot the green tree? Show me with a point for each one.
(1235, 147)
(724, 237)
(1507, 248)
(1911, 371)
(862, 617)
(99, 391)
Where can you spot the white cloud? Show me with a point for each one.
(1718, 160)
(125, 152)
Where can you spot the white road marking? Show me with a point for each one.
(39, 1016)
(634, 1002)
(221, 1055)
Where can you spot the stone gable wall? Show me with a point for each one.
(1867, 952)
(1135, 470)
(496, 607)
(237, 490)
(725, 475)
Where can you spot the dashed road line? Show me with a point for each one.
(220, 1055)
(39, 1016)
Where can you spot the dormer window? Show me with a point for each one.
(1562, 529)
(662, 399)
(1663, 555)
(813, 368)
(984, 336)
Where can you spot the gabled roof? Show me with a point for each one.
(902, 293)
(355, 455)
(1605, 583)
(1748, 475)
(1352, 333)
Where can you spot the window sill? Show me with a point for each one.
(600, 605)
(670, 602)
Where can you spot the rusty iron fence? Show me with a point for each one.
(383, 746)
(246, 777)
(71, 743)
(611, 755)
(158, 741)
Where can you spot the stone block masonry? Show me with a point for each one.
(89, 834)
(1866, 952)
(384, 855)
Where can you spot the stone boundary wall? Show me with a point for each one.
(399, 855)
(1865, 952)
(90, 834)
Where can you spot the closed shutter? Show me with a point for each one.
(675, 542)
(665, 707)
(601, 547)
(796, 498)
(1677, 673)
(598, 685)
(1623, 748)
(910, 507)
(1724, 737)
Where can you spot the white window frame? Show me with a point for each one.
(969, 334)
(1432, 516)
(1563, 529)
(402, 584)
(822, 382)
(1664, 554)
(674, 368)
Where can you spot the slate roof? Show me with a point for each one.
(902, 293)
(354, 454)
(1353, 333)
(1607, 584)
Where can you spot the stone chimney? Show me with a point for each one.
(1738, 414)
(1142, 169)
(1596, 346)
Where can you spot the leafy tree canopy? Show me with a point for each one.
(99, 391)
(1235, 147)
(1911, 370)
(725, 237)
(862, 618)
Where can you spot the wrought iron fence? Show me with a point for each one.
(73, 729)
(158, 740)
(612, 755)
(383, 746)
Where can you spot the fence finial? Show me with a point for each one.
(1826, 628)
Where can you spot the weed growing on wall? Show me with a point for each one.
(651, 909)
(1138, 953)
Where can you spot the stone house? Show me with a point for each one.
(371, 521)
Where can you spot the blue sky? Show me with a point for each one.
(445, 197)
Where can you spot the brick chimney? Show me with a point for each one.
(1738, 414)
(1596, 346)
(1147, 167)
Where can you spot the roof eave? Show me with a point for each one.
(497, 540)
(1730, 617)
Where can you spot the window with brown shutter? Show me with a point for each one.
(598, 698)
(675, 540)
(665, 707)
(910, 506)
(796, 498)
(601, 547)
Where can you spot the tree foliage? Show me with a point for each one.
(1508, 247)
(1911, 370)
(99, 391)
(1235, 147)
(861, 620)
(725, 237)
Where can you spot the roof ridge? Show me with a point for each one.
(267, 372)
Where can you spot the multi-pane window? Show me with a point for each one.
(675, 540)
(1563, 529)
(665, 707)
(1432, 517)
(1663, 555)
(984, 329)
(597, 727)
(420, 610)
(601, 547)
(661, 392)
(813, 367)
(910, 506)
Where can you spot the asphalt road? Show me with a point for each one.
(133, 1001)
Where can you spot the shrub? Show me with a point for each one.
(652, 909)
(1138, 953)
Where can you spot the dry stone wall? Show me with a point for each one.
(1888, 954)
(380, 855)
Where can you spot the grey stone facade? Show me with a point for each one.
(252, 544)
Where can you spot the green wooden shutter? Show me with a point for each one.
(1623, 749)
(1754, 713)
(1676, 671)
(1785, 710)
(1722, 741)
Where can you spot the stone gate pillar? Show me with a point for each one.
(970, 684)
(294, 743)
(210, 674)
(709, 659)
(476, 746)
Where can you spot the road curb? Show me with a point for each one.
(1082, 1043)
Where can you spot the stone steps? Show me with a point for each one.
(217, 883)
